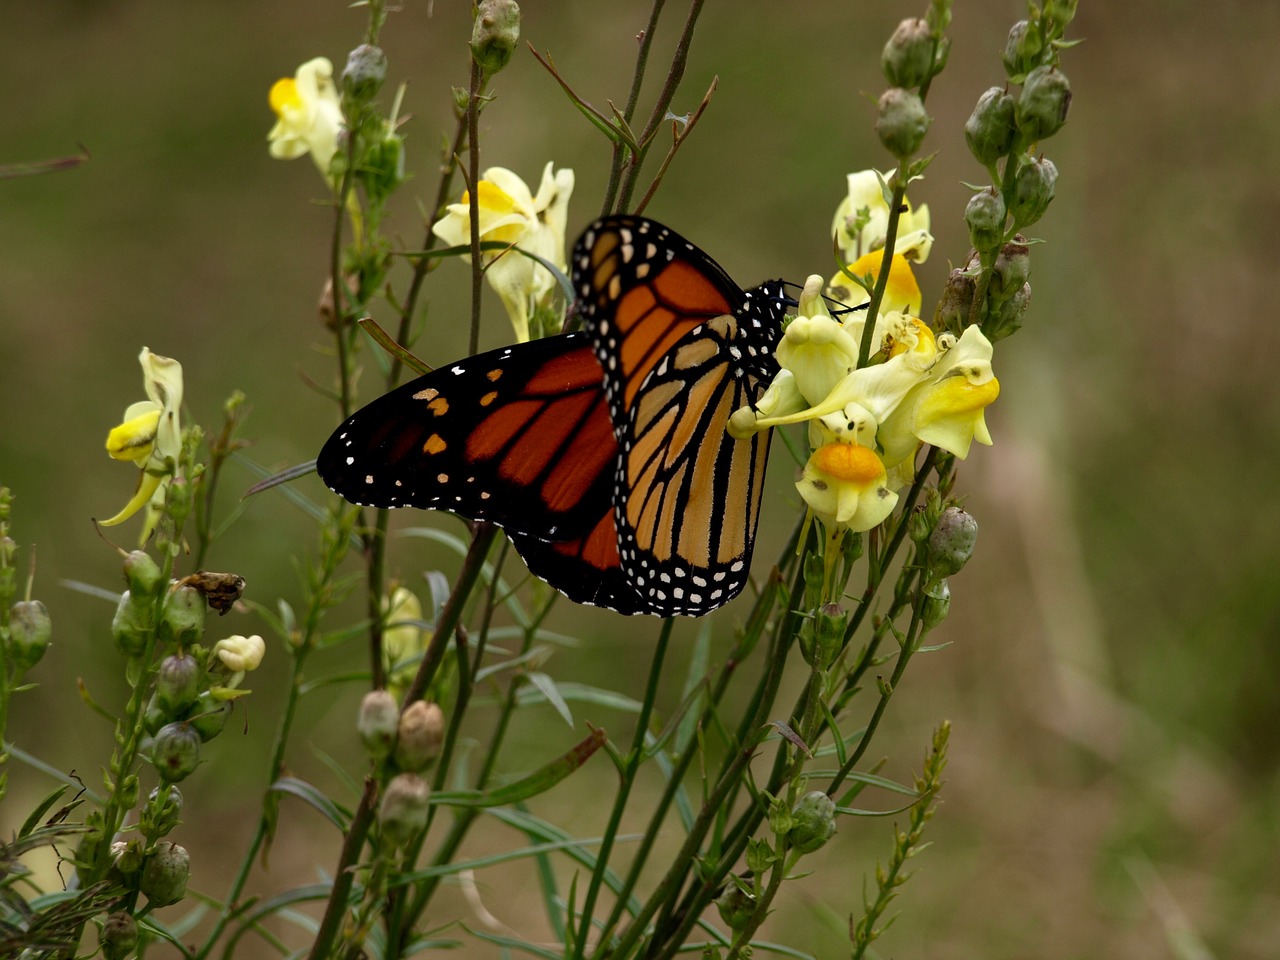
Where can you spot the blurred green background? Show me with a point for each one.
(1114, 787)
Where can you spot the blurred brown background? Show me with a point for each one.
(1113, 790)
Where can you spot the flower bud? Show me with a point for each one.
(937, 603)
(29, 633)
(1021, 50)
(365, 71)
(162, 811)
(908, 56)
(990, 128)
(182, 621)
(1043, 104)
(814, 822)
(952, 541)
(177, 681)
(378, 721)
(142, 574)
(420, 734)
(495, 33)
(175, 752)
(956, 302)
(1007, 317)
(828, 634)
(1011, 270)
(131, 625)
(1033, 188)
(985, 217)
(901, 121)
(1061, 12)
(736, 905)
(240, 654)
(126, 857)
(164, 878)
(119, 937)
(403, 812)
(209, 715)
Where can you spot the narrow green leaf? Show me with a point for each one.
(332, 811)
(540, 781)
(547, 687)
(582, 693)
(513, 944)
(33, 820)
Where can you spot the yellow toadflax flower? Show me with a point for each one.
(846, 487)
(862, 221)
(151, 437)
(511, 214)
(309, 115)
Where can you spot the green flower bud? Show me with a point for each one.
(828, 634)
(735, 904)
(985, 217)
(177, 681)
(365, 72)
(403, 812)
(378, 721)
(126, 858)
(901, 121)
(420, 735)
(1021, 50)
(1043, 104)
(952, 541)
(29, 633)
(209, 715)
(164, 878)
(1061, 12)
(142, 574)
(907, 59)
(1033, 188)
(155, 715)
(132, 624)
(182, 621)
(990, 129)
(956, 302)
(495, 33)
(1007, 317)
(1011, 270)
(119, 936)
(162, 811)
(937, 602)
(175, 751)
(814, 817)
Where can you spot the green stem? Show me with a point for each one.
(473, 177)
(882, 279)
(637, 81)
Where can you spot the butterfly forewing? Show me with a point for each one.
(520, 437)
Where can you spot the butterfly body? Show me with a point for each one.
(603, 454)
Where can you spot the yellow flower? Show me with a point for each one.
(946, 409)
(309, 115)
(862, 221)
(901, 293)
(846, 486)
(150, 435)
(240, 654)
(403, 638)
(511, 214)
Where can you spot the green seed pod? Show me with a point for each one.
(814, 822)
(1033, 189)
(164, 878)
(378, 722)
(365, 72)
(177, 681)
(209, 716)
(1043, 104)
(907, 59)
(30, 631)
(175, 751)
(952, 541)
(495, 33)
(828, 634)
(162, 811)
(937, 603)
(1061, 12)
(1011, 270)
(119, 936)
(985, 216)
(420, 735)
(736, 905)
(990, 129)
(132, 624)
(1007, 317)
(403, 812)
(901, 121)
(1021, 50)
(142, 574)
(126, 857)
(182, 622)
(956, 302)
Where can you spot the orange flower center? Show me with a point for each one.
(849, 462)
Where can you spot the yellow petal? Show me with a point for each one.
(148, 483)
(134, 439)
(284, 96)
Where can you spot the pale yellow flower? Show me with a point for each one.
(846, 487)
(150, 436)
(240, 654)
(511, 214)
(309, 115)
(865, 199)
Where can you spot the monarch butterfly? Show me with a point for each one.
(601, 453)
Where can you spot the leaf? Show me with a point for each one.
(89, 590)
(514, 944)
(283, 476)
(540, 781)
(547, 687)
(388, 343)
(335, 813)
(33, 820)
(791, 736)
(581, 693)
